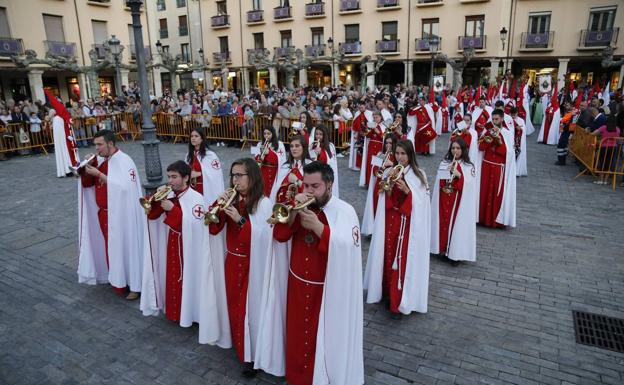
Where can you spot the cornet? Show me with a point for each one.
(282, 213)
(222, 204)
(395, 174)
(76, 169)
(382, 169)
(295, 129)
(160, 194)
(448, 187)
(263, 154)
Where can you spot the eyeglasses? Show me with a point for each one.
(237, 176)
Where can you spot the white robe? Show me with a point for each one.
(553, 132)
(521, 161)
(339, 357)
(352, 152)
(127, 228)
(412, 122)
(365, 166)
(527, 108)
(462, 239)
(416, 278)
(368, 220)
(61, 152)
(284, 169)
(507, 213)
(333, 163)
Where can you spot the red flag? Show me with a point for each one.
(478, 94)
(554, 100)
(512, 92)
(66, 116)
(443, 98)
(431, 95)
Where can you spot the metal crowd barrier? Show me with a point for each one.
(596, 157)
(124, 124)
(609, 159)
(20, 137)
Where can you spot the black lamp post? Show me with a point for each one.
(330, 44)
(153, 168)
(116, 49)
(503, 37)
(434, 42)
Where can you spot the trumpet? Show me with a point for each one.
(294, 129)
(193, 182)
(489, 136)
(382, 169)
(448, 187)
(263, 154)
(76, 169)
(282, 213)
(160, 194)
(222, 204)
(369, 127)
(395, 174)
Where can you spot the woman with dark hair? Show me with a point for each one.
(454, 209)
(270, 153)
(324, 151)
(398, 258)
(384, 160)
(373, 144)
(607, 157)
(247, 255)
(290, 175)
(307, 128)
(206, 172)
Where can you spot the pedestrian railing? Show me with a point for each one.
(24, 137)
(598, 156)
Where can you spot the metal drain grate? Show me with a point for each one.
(599, 330)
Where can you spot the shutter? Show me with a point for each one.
(5, 31)
(54, 28)
(100, 32)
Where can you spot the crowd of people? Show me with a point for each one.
(271, 264)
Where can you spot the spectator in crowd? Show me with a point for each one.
(607, 157)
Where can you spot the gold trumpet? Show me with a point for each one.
(293, 129)
(448, 187)
(76, 169)
(282, 213)
(381, 170)
(193, 182)
(160, 194)
(222, 204)
(395, 174)
(263, 154)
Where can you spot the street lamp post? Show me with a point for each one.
(434, 42)
(153, 168)
(116, 49)
(203, 63)
(503, 37)
(330, 44)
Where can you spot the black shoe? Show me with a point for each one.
(396, 316)
(454, 263)
(248, 370)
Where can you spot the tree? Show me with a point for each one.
(457, 65)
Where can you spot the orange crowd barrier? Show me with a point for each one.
(598, 156)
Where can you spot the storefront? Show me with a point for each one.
(390, 74)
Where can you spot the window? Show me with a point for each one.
(539, 22)
(183, 27)
(317, 36)
(223, 44)
(601, 19)
(221, 8)
(165, 48)
(389, 30)
(286, 38)
(164, 32)
(258, 40)
(352, 33)
(184, 50)
(130, 34)
(181, 3)
(256, 5)
(161, 5)
(475, 25)
(100, 31)
(284, 3)
(54, 28)
(5, 31)
(430, 27)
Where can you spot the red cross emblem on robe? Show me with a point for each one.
(198, 211)
(132, 174)
(216, 164)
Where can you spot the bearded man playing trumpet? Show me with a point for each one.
(323, 284)
(113, 229)
(398, 258)
(242, 213)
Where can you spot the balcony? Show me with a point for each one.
(537, 41)
(283, 51)
(100, 50)
(387, 46)
(429, 3)
(99, 3)
(313, 10)
(315, 50)
(9, 47)
(387, 5)
(282, 14)
(422, 46)
(221, 57)
(258, 51)
(132, 50)
(255, 17)
(476, 42)
(352, 48)
(220, 21)
(60, 48)
(183, 30)
(164, 33)
(597, 39)
(350, 6)
(181, 3)
(472, 1)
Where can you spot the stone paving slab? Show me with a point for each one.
(505, 319)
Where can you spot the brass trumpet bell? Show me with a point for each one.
(158, 196)
(212, 215)
(282, 213)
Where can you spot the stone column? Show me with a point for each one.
(561, 72)
(6, 86)
(36, 84)
(493, 70)
(273, 76)
(124, 76)
(409, 70)
(621, 80)
(449, 75)
(335, 73)
(175, 83)
(224, 79)
(157, 82)
(370, 80)
(303, 77)
(246, 84)
(82, 83)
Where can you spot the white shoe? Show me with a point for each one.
(340, 156)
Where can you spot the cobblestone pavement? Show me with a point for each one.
(505, 319)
